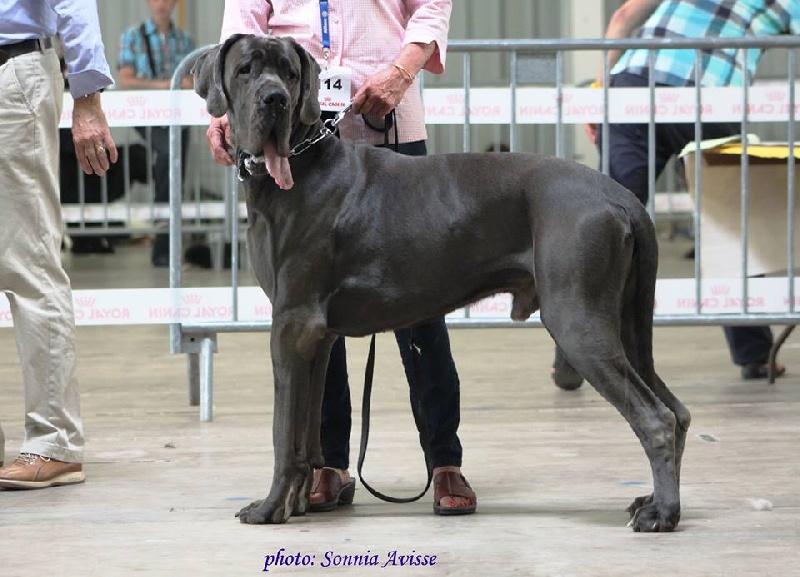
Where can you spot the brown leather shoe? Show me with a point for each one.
(31, 471)
(329, 491)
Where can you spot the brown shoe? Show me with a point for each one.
(31, 471)
(329, 491)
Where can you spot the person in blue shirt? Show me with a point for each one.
(628, 143)
(31, 274)
(149, 54)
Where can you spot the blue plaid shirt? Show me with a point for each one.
(167, 50)
(703, 19)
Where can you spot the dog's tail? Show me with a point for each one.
(641, 290)
(638, 334)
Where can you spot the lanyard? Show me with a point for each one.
(326, 30)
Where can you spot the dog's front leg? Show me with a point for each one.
(295, 349)
(313, 418)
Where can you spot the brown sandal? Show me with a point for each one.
(329, 491)
(452, 484)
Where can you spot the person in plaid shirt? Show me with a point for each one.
(628, 143)
(149, 54)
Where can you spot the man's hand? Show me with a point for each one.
(218, 137)
(591, 131)
(381, 93)
(91, 136)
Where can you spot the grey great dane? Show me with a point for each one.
(350, 239)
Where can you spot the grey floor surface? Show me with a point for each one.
(553, 471)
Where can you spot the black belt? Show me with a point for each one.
(9, 51)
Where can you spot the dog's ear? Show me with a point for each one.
(209, 76)
(309, 85)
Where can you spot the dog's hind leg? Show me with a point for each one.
(682, 416)
(603, 363)
(299, 373)
(683, 419)
(582, 299)
(637, 337)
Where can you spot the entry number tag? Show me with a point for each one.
(334, 88)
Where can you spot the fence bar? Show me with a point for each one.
(175, 196)
(605, 138)
(559, 104)
(651, 139)
(513, 132)
(745, 181)
(791, 200)
(467, 133)
(698, 188)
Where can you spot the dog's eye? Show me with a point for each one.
(244, 69)
(292, 75)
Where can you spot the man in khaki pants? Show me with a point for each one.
(31, 274)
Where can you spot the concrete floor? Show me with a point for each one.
(553, 471)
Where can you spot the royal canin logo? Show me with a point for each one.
(719, 290)
(192, 299)
(85, 301)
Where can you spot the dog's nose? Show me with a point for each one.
(274, 97)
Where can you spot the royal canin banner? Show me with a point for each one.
(195, 305)
(767, 102)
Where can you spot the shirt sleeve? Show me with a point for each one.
(79, 27)
(127, 49)
(429, 22)
(245, 17)
(794, 23)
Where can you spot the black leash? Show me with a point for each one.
(389, 121)
(419, 419)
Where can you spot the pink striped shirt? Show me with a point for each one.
(366, 36)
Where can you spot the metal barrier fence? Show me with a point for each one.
(706, 299)
(126, 200)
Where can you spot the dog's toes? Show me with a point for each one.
(261, 513)
(650, 519)
(638, 503)
(256, 513)
(245, 511)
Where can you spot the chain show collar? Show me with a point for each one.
(248, 165)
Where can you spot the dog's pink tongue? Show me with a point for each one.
(278, 167)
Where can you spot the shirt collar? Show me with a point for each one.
(150, 27)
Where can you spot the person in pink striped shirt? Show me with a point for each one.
(371, 56)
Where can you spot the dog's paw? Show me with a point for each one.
(638, 503)
(650, 518)
(261, 513)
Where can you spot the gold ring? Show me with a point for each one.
(101, 149)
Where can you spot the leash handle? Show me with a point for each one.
(365, 411)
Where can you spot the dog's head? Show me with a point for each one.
(268, 88)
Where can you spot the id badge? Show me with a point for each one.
(334, 88)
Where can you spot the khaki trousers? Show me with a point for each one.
(31, 274)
